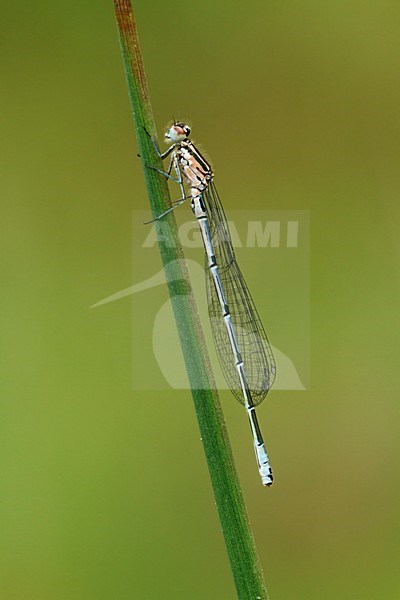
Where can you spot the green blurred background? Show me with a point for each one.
(304, 100)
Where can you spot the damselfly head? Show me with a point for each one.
(177, 132)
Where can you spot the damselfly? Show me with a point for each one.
(242, 345)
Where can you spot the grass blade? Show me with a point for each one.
(239, 540)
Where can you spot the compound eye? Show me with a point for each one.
(186, 129)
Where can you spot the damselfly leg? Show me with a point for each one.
(167, 175)
(176, 204)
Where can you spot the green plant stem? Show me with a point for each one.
(239, 540)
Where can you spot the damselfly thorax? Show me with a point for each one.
(194, 167)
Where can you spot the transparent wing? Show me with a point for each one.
(259, 363)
